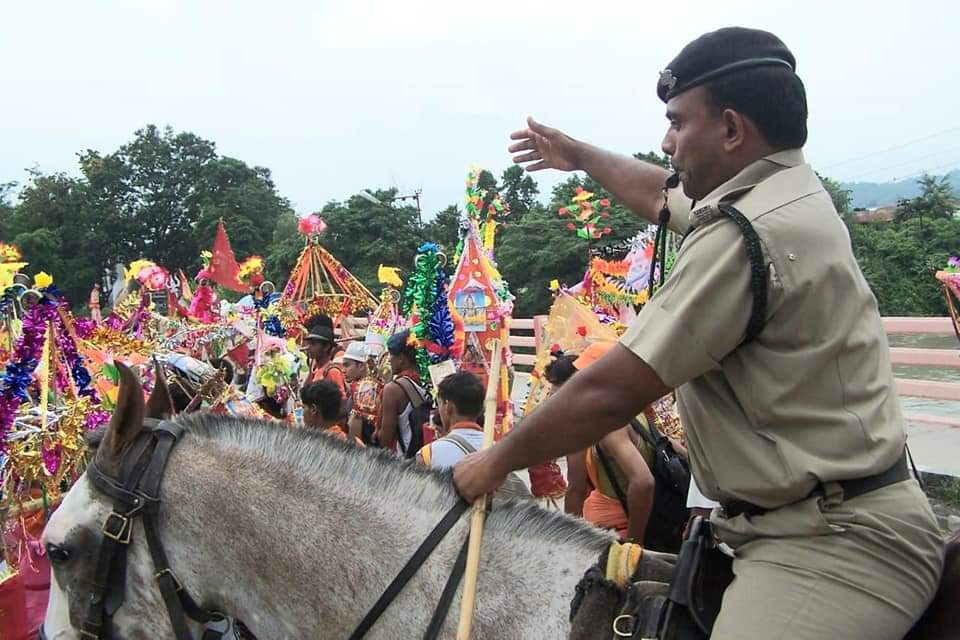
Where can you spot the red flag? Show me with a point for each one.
(223, 265)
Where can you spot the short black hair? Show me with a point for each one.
(465, 391)
(320, 319)
(399, 345)
(773, 97)
(560, 370)
(325, 395)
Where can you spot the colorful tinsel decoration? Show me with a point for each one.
(425, 302)
(19, 371)
(587, 214)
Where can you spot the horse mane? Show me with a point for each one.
(404, 481)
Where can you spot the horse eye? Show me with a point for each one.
(57, 554)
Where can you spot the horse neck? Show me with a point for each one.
(298, 557)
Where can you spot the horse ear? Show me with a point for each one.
(127, 420)
(160, 402)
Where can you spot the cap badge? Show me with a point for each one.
(667, 79)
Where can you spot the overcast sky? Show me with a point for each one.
(335, 97)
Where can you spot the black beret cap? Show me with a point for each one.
(720, 53)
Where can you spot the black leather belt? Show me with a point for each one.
(851, 489)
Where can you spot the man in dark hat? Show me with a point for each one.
(320, 343)
(771, 337)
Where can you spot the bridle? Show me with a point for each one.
(137, 493)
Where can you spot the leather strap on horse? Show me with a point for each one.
(138, 493)
(410, 569)
(449, 589)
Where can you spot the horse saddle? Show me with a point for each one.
(645, 607)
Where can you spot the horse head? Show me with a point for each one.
(75, 533)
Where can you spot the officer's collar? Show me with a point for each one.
(749, 177)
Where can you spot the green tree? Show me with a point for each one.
(519, 190)
(58, 232)
(363, 235)
(933, 202)
(284, 249)
(897, 260)
(150, 186)
(444, 229)
(245, 198)
(653, 157)
(158, 197)
(841, 197)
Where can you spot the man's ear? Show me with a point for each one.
(735, 130)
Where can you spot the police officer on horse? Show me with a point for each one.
(771, 338)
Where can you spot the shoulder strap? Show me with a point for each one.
(460, 441)
(652, 435)
(608, 469)
(758, 272)
(412, 390)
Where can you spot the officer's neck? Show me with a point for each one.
(742, 157)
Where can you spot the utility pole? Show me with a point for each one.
(415, 196)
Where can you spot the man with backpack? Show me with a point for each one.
(623, 482)
(406, 404)
(459, 405)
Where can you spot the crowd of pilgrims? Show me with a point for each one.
(611, 485)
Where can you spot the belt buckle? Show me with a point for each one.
(122, 534)
(176, 582)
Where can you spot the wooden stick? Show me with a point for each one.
(480, 505)
(15, 509)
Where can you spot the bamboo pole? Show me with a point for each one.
(480, 505)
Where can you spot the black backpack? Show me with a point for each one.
(671, 477)
(422, 405)
(671, 474)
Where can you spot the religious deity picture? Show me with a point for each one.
(471, 304)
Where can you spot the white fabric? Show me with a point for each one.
(695, 499)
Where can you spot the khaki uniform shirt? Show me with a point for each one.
(812, 398)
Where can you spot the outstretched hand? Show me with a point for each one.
(546, 148)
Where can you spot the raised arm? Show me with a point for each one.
(637, 184)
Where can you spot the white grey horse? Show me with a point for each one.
(297, 534)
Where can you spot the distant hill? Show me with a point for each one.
(867, 195)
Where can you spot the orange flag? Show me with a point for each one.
(223, 264)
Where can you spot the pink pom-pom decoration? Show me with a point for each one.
(311, 225)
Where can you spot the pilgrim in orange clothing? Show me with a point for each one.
(321, 410)
(610, 484)
(321, 345)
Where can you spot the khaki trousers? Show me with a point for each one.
(828, 569)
